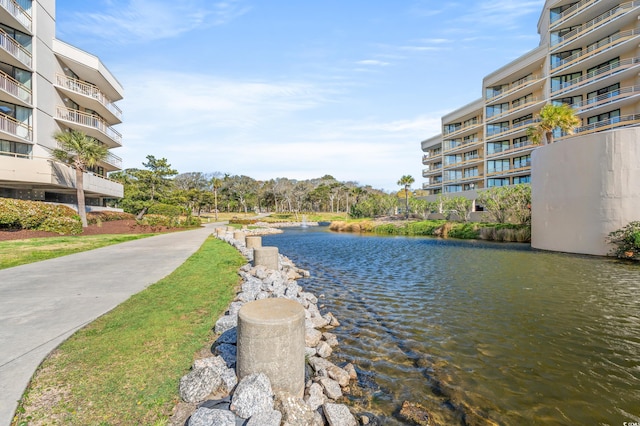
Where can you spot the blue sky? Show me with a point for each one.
(297, 89)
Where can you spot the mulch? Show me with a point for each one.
(113, 227)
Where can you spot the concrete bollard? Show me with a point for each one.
(271, 341)
(266, 256)
(220, 232)
(254, 241)
(231, 229)
(240, 236)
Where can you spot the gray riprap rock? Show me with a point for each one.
(338, 415)
(230, 337)
(330, 338)
(318, 363)
(331, 320)
(316, 397)
(265, 418)
(251, 288)
(253, 395)
(339, 375)
(324, 350)
(295, 412)
(198, 384)
(310, 297)
(227, 352)
(208, 417)
(331, 388)
(353, 374)
(260, 272)
(216, 363)
(263, 295)
(234, 307)
(225, 323)
(229, 380)
(310, 352)
(312, 337)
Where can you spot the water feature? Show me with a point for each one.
(479, 333)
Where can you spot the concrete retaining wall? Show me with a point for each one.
(583, 188)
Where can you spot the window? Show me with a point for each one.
(556, 12)
(470, 139)
(563, 81)
(495, 128)
(452, 159)
(449, 128)
(603, 67)
(523, 161)
(470, 122)
(522, 101)
(471, 155)
(9, 147)
(611, 117)
(497, 182)
(20, 37)
(558, 58)
(521, 179)
(569, 100)
(494, 166)
(452, 175)
(604, 93)
(453, 188)
(472, 172)
(522, 120)
(558, 36)
(521, 141)
(22, 76)
(451, 144)
(497, 109)
(493, 91)
(495, 147)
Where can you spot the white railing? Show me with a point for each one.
(596, 75)
(86, 89)
(606, 98)
(88, 120)
(622, 121)
(17, 12)
(15, 88)
(604, 45)
(578, 7)
(594, 23)
(15, 155)
(14, 48)
(462, 129)
(516, 85)
(114, 160)
(513, 128)
(14, 127)
(517, 106)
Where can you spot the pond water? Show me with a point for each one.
(476, 332)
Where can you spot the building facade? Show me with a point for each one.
(46, 86)
(588, 57)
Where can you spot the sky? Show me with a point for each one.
(295, 88)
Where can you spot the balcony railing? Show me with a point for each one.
(595, 23)
(516, 147)
(17, 12)
(88, 120)
(461, 129)
(462, 179)
(607, 98)
(615, 122)
(114, 160)
(466, 161)
(15, 49)
(516, 85)
(525, 167)
(461, 144)
(514, 128)
(600, 47)
(578, 7)
(15, 88)
(515, 107)
(596, 75)
(14, 127)
(86, 89)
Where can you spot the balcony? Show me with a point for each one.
(20, 94)
(505, 131)
(515, 148)
(594, 25)
(573, 14)
(462, 145)
(430, 157)
(578, 83)
(431, 186)
(461, 130)
(612, 123)
(520, 108)
(15, 130)
(463, 179)
(464, 163)
(19, 56)
(514, 87)
(92, 125)
(15, 12)
(618, 95)
(511, 170)
(602, 46)
(114, 161)
(427, 171)
(89, 95)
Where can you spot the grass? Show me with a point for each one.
(124, 368)
(20, 252)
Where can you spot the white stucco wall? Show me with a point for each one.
(583, 188)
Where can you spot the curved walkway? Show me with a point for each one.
(43, 303)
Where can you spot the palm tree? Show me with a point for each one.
(216, 184)
(406, 181)
(79, 151)
(553, 117)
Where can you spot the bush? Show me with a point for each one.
(108, 216)
(158, 220)
(425, 228)
(237, 221)
(35, 215)
(169, 210)
(626, 241)
(62, 225)
(466, 231)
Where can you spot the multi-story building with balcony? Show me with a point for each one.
(588, 57)
(432, 161)
(47, 86)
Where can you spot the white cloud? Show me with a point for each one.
(373, 62)
(139, 21)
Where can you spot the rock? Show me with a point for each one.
(324, 350)
(331, 388)
(208, 417)
(230, 337)
(318, 363)
(227, 352)
(330, 338)
(263, 295)
(369, 419)
(353, 374)
(295, 412)
(331, 320)
(265, 418)
(415, 413)
(312, 337)
(253, 395)
(198, 384)
(338, 415)
(216, 363)
(260, 272)
(310, 352)
(339, 375)
(292, 274)
(225, 323)
(316, 397)
(234, 308)
(229, 380)
(310, 297)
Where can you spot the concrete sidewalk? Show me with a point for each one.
(43, 303)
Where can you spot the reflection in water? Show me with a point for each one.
(480, 333)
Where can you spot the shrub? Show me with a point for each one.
(157, 220)
(237, 221)
(108, 216)
(626, 241)
(166, 210)
(424, 228)
(62, 225)
(467, 231)
(23, 214)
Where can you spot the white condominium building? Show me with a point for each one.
(46, 86)
(588, 57)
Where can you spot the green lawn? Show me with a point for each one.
(20, 252)
(124, 368)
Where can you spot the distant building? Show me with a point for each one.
(46, 86)
(588, 57)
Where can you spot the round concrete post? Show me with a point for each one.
(220, 232)
(231, 229)
(254, 241)
(266, 256)
(240, 236)
(271, 341)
